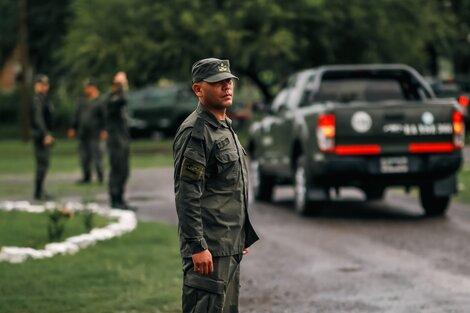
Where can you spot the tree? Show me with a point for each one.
(461, 44)
(266, 40)
(46, 27)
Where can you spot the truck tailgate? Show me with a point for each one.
(395, 126)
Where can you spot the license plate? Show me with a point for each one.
(394, 165)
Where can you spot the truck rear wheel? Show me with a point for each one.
(263, 185)
(432, 204)
(374, 193)
(303, 204)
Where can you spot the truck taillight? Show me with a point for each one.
(459, 129)
(326, 130)
(463, 101)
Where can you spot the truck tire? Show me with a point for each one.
(262, 185)
(432, 204)
(374, 193)
(303, 204)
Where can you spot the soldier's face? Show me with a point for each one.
(41, 88)
(90, 91)
(218, 95)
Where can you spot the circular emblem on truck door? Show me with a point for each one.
(427, 118)
(361, 122)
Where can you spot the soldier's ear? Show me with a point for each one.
(197, 89)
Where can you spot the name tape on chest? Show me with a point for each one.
(222, 143)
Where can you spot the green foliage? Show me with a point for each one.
(30, 229)
(461, 44)
(88, 219)
(56, 225)
(65, 104)
(9, 107)
(266, 40)
(46, 27)
(8, 28)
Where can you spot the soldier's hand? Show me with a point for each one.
(121, 78)
(48, 140)
(71, 133)
(203, 262)
(246, 251)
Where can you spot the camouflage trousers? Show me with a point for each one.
(118, 150)
(42, 155)
(214, 293)
(91, 152)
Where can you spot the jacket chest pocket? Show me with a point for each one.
(228, 168)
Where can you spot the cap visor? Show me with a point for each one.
(218, 77)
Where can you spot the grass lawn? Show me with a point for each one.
(16, 157)
(17, 166)
(30, 229)
(138, 272)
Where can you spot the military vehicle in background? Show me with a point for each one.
(159, 110)
(364, 126)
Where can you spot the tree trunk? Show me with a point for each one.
(25, 77)
(267, 95)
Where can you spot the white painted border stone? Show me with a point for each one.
(126, 222)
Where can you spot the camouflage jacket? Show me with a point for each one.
(41, 116)
(211, 187)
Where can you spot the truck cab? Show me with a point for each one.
(364, 126)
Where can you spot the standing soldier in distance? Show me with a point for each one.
(211, 193)
(41, 122)
(118, 141)
(89, 126)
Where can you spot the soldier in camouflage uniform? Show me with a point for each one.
(89, 126)
(118, 142)
(211, 193)
(41, 123)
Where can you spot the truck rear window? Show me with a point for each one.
(347, 86)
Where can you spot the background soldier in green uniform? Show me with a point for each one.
(211, 192)
(41, 123)
(89, 126)
(118, 141)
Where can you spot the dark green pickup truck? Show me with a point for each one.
(365, 126)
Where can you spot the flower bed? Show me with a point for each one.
(126, 222)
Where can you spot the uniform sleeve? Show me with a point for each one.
(118, 99)
(76, 115)
(102, 115)
(38, 116)
(190, 165)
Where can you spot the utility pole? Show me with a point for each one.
(25, 82)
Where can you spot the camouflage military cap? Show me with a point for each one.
(41, 78)
(211, 70)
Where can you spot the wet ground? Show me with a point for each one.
(354, 257)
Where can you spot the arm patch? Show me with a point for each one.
(192, 170)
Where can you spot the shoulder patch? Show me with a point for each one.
(192, 170)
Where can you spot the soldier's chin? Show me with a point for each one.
(227, 102)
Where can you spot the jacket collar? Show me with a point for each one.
(210, 118)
